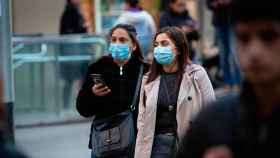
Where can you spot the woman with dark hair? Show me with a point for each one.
(72, 21)
(120, 73)
(172, 93)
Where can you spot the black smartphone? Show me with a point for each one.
(98, 79)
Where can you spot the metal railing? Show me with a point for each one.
(47, 69)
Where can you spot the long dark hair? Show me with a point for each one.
(180, 41)
(70, 6)
(71, 21)
(131, 30)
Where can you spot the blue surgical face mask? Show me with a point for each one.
(164, 55)
(120, 52)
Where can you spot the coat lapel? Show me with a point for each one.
(151, 91)
(184, 90)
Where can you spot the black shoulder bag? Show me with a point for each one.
(115, 135)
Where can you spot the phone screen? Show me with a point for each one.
(98, 79)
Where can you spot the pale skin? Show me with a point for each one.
(218, 152)
(258, 44)
(119, 36)
(164, 41)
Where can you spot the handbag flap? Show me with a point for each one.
(111, 122)
(107, 137)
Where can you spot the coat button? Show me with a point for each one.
(189, 98)
(170, 108)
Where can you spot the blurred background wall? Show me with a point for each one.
(36, 16)
(42, 16)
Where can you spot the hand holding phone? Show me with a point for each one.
(99, 88)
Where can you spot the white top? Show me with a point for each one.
(142, 20)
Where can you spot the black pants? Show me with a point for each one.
(164, 146)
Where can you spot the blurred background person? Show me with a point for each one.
(142, 21)
(224, 37)
(176, 14)
(72, 22)
(172, 93)
(245, 125)
(164, 5)
(119, 71)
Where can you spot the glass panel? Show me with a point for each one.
(48, 73)
(110, 10)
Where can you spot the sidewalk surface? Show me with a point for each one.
(62, 141)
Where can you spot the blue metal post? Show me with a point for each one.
(6, 63)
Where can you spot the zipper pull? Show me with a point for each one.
(121, 71)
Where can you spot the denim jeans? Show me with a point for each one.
(164, 146)
(93, 156)
(228, 58)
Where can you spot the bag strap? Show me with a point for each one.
(137, 89)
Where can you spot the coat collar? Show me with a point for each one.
(184, 87)
(150, 85)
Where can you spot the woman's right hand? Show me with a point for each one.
(100, 90)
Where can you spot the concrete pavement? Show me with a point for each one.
(61, 141)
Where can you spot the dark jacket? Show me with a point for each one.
(233, 122)
(122, 87)
(169, 18)
(221, 15)
(9, 151)
(71, 21)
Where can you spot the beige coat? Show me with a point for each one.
(195, 84)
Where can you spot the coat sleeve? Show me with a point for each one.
(87, 103)
(205, 86)
(140, 121)
(140, 118)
